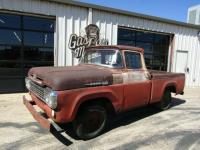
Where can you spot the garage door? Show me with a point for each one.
(25, 42)
(155, 46)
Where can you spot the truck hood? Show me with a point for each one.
(64, 78)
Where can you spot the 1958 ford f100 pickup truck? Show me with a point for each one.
(108, 80)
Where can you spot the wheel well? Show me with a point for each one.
(106, 103)
(171, 88)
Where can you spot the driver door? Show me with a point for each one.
(137, 86)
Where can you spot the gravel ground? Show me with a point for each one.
(145, 128)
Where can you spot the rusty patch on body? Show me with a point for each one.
(129, 77)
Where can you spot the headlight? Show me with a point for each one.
(28, 83)
(51, 99)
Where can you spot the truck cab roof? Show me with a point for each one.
(120, 47)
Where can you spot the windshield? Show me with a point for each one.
(105, 57)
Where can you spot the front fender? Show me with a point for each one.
(70, 101)
(89, 95)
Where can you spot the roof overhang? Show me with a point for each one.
(124, 12)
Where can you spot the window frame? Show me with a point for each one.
(116, 49)
(141, 59)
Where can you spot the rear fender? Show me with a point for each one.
(158, 89)
(168, 85)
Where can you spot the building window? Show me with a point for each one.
(155, 46)
(25, 42)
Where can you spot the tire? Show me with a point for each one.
(90, 122)
(166, 101)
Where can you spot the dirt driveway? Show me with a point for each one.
(146, 128)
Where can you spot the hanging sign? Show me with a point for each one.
(78, 43)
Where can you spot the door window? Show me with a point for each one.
(133, 60)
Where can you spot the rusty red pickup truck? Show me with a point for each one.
(108, 80)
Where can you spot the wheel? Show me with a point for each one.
(90, 122)
(165, 103)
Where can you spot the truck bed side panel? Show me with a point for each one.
(162, 80)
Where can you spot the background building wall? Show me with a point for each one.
(74, 19)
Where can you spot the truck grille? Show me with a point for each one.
(39, 91)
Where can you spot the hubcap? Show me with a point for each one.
(92, 122)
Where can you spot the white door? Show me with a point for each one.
(181, 62)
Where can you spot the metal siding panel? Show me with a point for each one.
(102, 27)
(189, 47)
(195, 71)
(122, 20)
(52, 9)
(198, 49)
(7, 4)
(76, 29)
(69, 31)
(18, 5)
(56, 44)
(44, 7)
(198, 62)
(147, 25)
(26, 5)
(192, 62)
(84, 23)
(130, 21)
(150, 25)
(114, 34)
(107, 24)
(137, 23)
(90, 17)
(115, 30)
(189, 79)
(197, 66)
(109, 28)
(95, 18)
(35, 7)
(176, 45)
(61, 38)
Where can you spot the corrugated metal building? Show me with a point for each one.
(177, 43)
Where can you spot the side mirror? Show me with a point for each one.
(148, 75)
